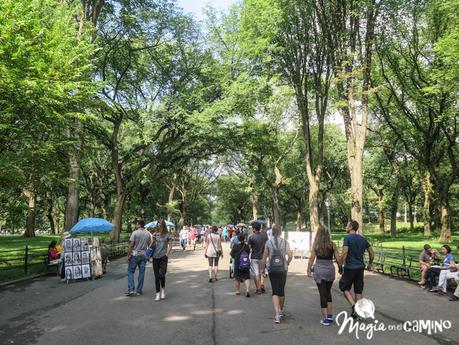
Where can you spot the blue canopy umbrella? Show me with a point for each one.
(91, 225)
(154, 223)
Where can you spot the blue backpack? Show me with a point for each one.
(244, 260)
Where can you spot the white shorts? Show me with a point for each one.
(255, 267)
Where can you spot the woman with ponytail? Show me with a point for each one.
(276, 251)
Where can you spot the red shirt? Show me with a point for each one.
(193, 234)
(53, 254)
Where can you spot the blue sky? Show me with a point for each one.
(196, 6)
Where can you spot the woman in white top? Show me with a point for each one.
(213, 252)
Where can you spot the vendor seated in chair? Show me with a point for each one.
(53, 254)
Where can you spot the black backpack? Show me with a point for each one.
(277, 259)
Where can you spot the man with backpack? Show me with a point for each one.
(276, 250)
(240, 253)
(257, 243)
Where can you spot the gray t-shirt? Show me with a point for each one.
(257, 243)
(141, 239)
(161, 243)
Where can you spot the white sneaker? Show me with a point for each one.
(158, 297)
(163, 294)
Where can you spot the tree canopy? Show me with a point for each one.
(273, 109)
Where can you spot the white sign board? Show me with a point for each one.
(299, 240)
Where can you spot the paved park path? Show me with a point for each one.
(46, 311)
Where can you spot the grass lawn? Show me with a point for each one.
(410, 240)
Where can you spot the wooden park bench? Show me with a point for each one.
(407, 267)
(378, 263)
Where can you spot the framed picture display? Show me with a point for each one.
(68, 259)
(85, 258)
(76, 258)
(76, 244)
(68, 245)
(86, 271)
(69, 272)
(77, 272)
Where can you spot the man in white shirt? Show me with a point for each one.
(183, 237)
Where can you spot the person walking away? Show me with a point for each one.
(276, 251)
(321, 261)
(213, 252)
(354, 248)
(257, 242)
(235, 239)
(139, 241)
(225, 234)
(162, 241)
(240, 254)
(183, 237)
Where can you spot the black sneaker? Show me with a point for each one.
(454, 298)
(130, 293)
(210, 280)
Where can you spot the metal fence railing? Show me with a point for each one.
(27, 261)
(392, 257)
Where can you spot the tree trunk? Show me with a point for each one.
(181, 222)
(427, 188)
(445, 232)
(121, 194)
(381, 212)
(394, 209)
(357, 190)
(411, 215)
(72, 206)
(299, 219)
(276, 207)
(170, 199)
(50, 217)
(253, 201)
(182, 208)
(118, 217)
(240, 212)
(313, 202)
(31, 212)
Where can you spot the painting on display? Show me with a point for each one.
(85, 258)
(86, 271)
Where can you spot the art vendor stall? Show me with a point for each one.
(82, 256)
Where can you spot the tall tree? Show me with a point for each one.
(350, 30)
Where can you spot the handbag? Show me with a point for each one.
(150, 251)
(217, 252)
